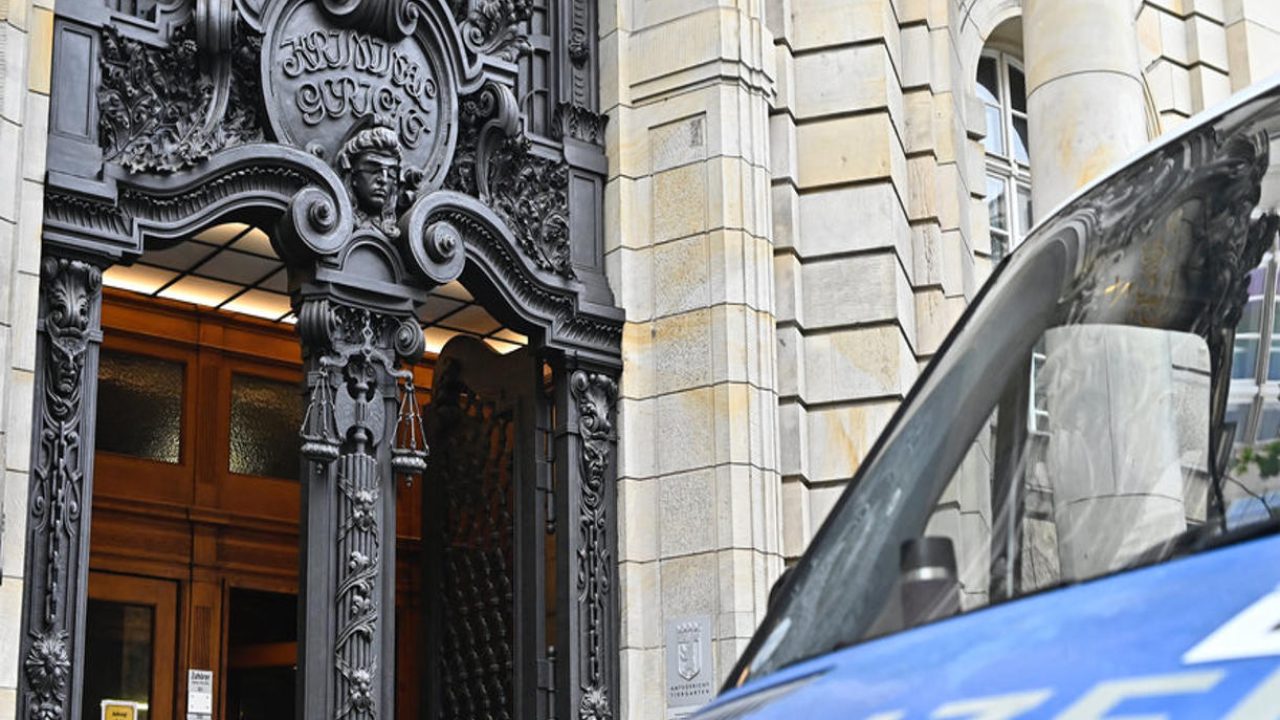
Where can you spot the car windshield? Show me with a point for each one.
(1111, 399)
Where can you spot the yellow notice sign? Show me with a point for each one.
(119, 710)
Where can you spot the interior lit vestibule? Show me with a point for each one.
(194, 549)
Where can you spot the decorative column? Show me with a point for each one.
(60, 489)
(361, 430)
(1085, 98)
(586, 440)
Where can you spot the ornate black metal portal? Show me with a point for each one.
(394, 145)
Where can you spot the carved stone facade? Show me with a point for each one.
(61, 485)
(361, 433)
(596, 398)
(384, 143)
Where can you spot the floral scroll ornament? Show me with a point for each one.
(595, 705)
(70, 289)
(48, 667)
(159, 113)
(596, 397)
(495, 27)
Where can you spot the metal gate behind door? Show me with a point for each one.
(482, 578)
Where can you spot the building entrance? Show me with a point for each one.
(194, 550)
(345, 171)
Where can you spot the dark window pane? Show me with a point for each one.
(988, 82)
(140, 406)
(999, 246)
(1273, 368)
(262, 632)
(265, 418)
(118, 651)
(1238, 414)
(1020, 141)
(1017, 89)
(260, 616)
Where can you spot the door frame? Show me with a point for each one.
(162, 596)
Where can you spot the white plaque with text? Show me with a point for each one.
(691, 675)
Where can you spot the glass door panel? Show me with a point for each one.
(130, 628)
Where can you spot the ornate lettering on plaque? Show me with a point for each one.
(329, 83)
(344, 74)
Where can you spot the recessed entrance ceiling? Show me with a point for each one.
(232, 267)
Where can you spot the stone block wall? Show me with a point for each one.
(880, 240)
(26, 34)
(687, 85)
(1196, 53)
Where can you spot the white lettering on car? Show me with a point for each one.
(1105, 696)
(1253, 632)
(1262, 704)
(998, 707)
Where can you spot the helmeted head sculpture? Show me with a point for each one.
(370, 161)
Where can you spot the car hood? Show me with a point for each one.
(1197, 637)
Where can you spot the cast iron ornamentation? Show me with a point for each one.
(391, 19)
(1220, 196)
(596, 397)
(158, 112)
(353, 363)
(71, 291)
(495, 164)
(494, 27)
(531, 195)
(579, 123)
(341, 120)
(371, 164)
(151, 102)
(474, 438)
(568, 328)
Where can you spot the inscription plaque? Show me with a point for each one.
(691, 677)
(327, 83)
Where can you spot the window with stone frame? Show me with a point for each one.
(1002, 87)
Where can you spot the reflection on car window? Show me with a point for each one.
(1109, 401)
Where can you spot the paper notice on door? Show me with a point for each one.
(119, 710)
(199, 694)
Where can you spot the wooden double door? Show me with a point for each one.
(194, 534)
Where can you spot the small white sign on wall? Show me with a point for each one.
(199, 694)
(690, 672)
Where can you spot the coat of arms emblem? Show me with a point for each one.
(689, 650)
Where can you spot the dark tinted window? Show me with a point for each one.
(140, 406)
(265, 418)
